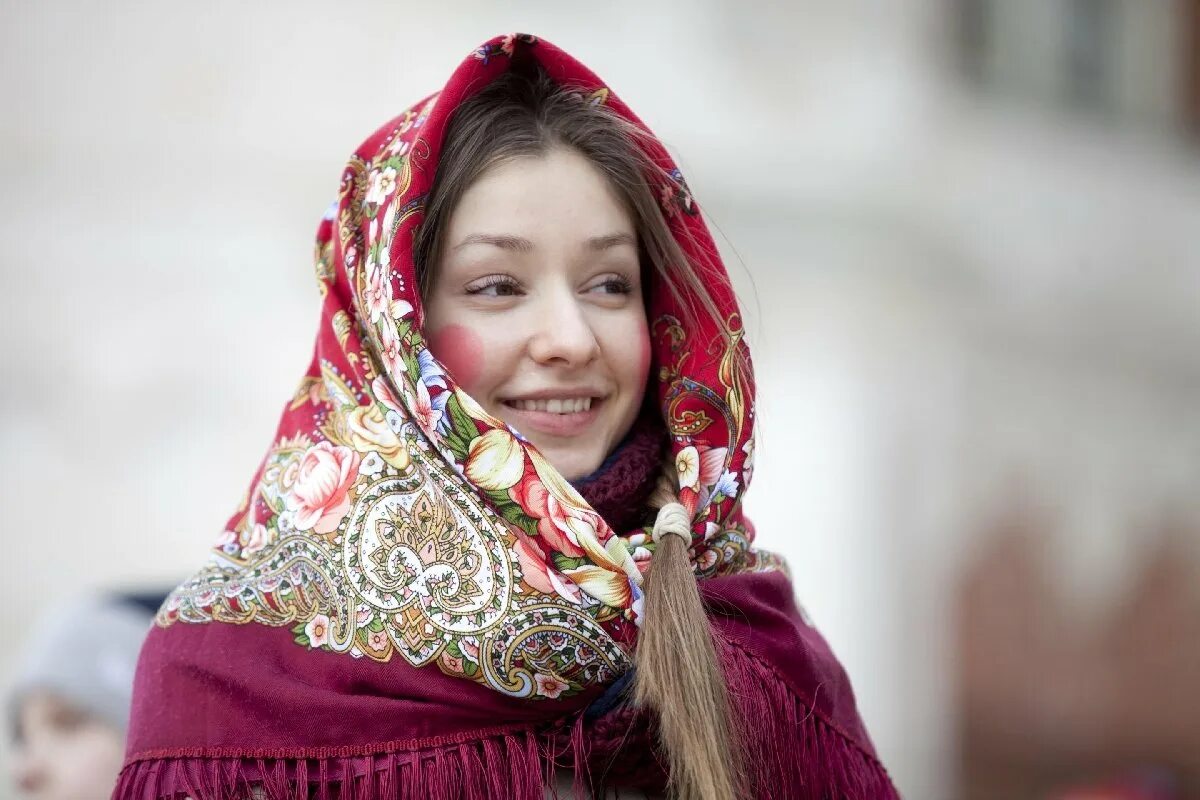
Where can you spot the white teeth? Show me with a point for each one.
(569, 405)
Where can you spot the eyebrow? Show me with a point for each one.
(611, 240)
(519, 244)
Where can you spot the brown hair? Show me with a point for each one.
(524, 113)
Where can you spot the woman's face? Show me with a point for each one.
(536, 307)
(64, 754)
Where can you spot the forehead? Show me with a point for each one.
(556, 196)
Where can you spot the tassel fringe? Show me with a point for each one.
(510, 766)
(791, 751)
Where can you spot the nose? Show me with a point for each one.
(563, 332)
(29, 773)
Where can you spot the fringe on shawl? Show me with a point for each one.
(512, 765)
(520, 764)
(790, 751)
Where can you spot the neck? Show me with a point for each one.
(619, 487)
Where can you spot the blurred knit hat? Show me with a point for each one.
(85, 654)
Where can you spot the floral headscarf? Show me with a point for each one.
(397, 539)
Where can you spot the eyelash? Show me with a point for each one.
(494, 280)
(623, 285)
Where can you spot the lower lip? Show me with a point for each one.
(553, 424)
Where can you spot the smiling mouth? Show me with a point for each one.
(564, 405)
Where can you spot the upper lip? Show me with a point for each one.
(558, 394)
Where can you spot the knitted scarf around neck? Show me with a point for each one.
(411, 601)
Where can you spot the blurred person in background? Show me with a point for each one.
(416, 600)
(69, 705)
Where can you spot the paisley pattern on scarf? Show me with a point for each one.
(394, 516)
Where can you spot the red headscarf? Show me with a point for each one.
(412, 602)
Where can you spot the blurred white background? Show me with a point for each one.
(972, 229)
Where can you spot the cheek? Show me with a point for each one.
(632, 342)
(644, 354)
(460, 350)
(96, 756)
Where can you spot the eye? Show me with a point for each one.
(67, 719)
(612, 284)
(495, 286)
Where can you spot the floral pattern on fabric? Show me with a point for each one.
(393, 516)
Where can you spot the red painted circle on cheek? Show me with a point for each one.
(644, 357)
(461, 351)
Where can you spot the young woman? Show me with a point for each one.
(497, 543)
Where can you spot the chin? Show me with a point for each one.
(572, 465)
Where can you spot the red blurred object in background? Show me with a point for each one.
(1146, 785)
